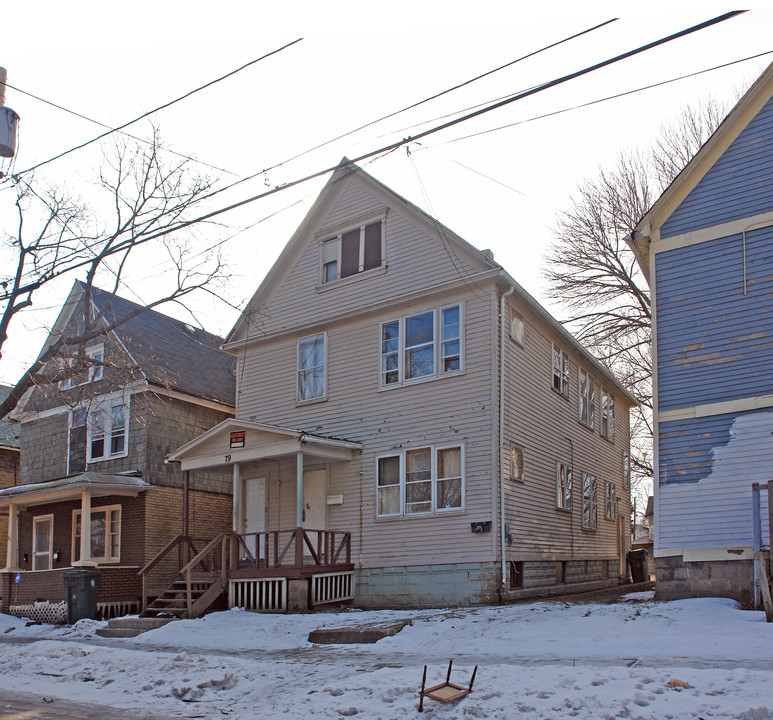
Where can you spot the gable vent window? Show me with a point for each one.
(352, 252)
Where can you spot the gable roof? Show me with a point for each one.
(9, 434)
(731, 127)
(169, 352)
(314, 221)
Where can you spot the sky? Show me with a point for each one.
(637, 658)
(498, 187)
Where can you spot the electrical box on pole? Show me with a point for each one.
(9, 122)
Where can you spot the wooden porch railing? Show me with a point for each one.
(185, 548)
(298, 549)
(212, 558)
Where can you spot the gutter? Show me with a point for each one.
(502, 432)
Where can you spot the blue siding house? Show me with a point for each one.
(707, 247)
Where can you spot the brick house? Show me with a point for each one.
(95, 432)
(9, 468)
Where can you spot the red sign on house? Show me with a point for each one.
(237, 439)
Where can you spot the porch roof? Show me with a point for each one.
(71, 487)
(233, 441)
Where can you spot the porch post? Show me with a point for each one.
(12, 557)
(186, 493)
(85, 529)
(237, 497)
(299, 489)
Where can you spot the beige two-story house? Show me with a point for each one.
(412, 428)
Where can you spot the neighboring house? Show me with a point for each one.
(94, 434)
(707, 248)
(412, 428)
(9, 469)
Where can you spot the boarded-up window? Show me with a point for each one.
(350, 253)
(372, 256)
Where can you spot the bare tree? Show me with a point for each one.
(149, 197)
(593, 273)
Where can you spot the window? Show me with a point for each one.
(560, 371)
(517, 328)
(420, 482)
(516, 575)
(516, 462)
(563, 487)
(610, 501)
(107, 428)
(352, 252)
(589, 502)
(587, 398)
(97, 356)
(425, 345)
(626, 470)
(42, 542)
(607, 411)
(311, 367)
(105, 534)
(63, 367)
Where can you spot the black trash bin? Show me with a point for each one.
(80, 587)
(638, 561)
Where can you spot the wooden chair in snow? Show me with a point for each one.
(445, 692)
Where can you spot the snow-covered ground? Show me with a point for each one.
(539, 660)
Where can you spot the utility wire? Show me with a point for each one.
(112, 129)
(393, 146)
(160, 107)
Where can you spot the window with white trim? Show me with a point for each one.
(105, 534)
(626, 470)
(420, 482)
(560, 370)
(107, 428)
(607, 415)
(516, 462)
(587, 395)
(352, 252)
(610, 501)
(96, 355)
(589, 502)
(311, 367)
(425, 345)
(563, 486)
(64, 368)
(42, 542)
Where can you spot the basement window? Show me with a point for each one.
(516, 575)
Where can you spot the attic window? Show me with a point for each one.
(352, 252)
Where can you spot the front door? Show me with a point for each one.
(315, 499)
(43, 542)
(255, 515)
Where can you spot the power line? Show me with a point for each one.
(112, 129)
(393, 146)
(160, 107)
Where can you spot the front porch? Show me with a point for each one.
(277, 571)
(279, 474)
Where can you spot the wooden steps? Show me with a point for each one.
(173, 602)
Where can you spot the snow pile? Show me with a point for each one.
(687, 659)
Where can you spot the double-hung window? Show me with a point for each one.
(610, 501)
(311, 367)
(607, 413)
(352, 252)
(516, 462)
(425, 345)
(105, 534)
(96, 356)
(560, 371)
(589, 502)
(42, 542)
(587, 396)
(626, 470)
(107, 428)
(563, 486)
(420, 482)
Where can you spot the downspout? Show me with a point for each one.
(502, 434)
